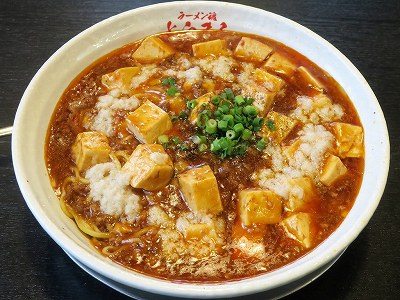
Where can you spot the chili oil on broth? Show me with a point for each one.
(159, 232)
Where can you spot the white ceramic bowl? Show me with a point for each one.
(42, 94)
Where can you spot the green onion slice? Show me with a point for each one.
(163, 139)
(238, 127)
(250, 110)
(270, 125)
(191, 104)
(246, 134)
(230, 134)
(172, 91)
(239, 100)
(168, 81)
(202, 147)
(261, 144)
(222, 124)
(211, 126)
(176, 140)
(202, 119)
(216, 100)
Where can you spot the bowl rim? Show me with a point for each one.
(207, 290)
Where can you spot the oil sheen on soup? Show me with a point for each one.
(205, 156)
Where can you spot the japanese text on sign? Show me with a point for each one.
(191, 21)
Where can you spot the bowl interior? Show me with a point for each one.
(42, 94)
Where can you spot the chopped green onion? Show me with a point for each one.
(196, 139)
(222, 124)
(168, 81)
(271, 125)
(239, 119)
(246, 134)
(225, 103)
(211, 126)
(240, 149)
(184, 147)
(238, 110)
(176, 140)
(199, 139)
(230, 134)
(223, 110)
(229, 94)
(203, 138)
(191, 104)
(238, 127)
(250, 110)
(163, 139)
(218, 114)
(239, 100)
(202, 119)
(172, 91)
(249, 101)
(183, 115)
(257, 123)
(261, 144)
(215, 145)
(206, 112)
(229, 119)
(215, 100)
(223, 142)
(202, 147)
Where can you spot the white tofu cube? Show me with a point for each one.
(90, 148)
(200, 190)
(120, 78)
(208, 84)
(198, 231)
(152, 49)
(280, 127)
(321, 101)
(252, 49)
(349, 140)
(216, 47)
(308, 78)
(302, 191)
(203, 99)
(245, 247)
(148, 122)
(176, 104)
(149, 166)
(298, 227)
(269, 81)
(332, 170)
(247, 243)
(280, 64)
(263, 99)
(259, 207)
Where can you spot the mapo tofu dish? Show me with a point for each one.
(205, 156)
